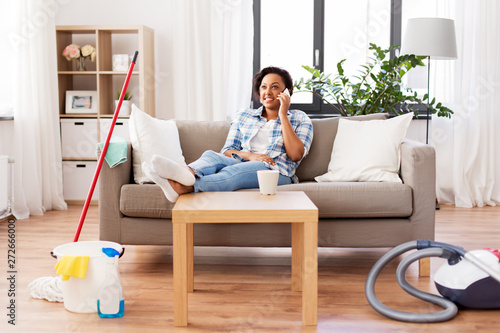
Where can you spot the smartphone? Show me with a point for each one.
(286, 92)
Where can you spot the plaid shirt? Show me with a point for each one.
(249, 121)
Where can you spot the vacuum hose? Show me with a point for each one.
(426, 250)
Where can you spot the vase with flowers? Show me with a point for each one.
(74, 52)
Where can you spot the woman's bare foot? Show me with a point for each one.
(180, 188)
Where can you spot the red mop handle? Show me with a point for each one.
(104, 150)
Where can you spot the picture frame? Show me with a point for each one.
(121, 62)
(81, 101)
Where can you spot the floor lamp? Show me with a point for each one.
(430, 37)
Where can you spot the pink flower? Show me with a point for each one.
(74, 53)
(71, 51)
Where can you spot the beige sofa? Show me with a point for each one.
(352, 214)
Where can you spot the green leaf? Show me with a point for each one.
(376, 88)
(339, 67)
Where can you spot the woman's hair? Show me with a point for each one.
(257, 79)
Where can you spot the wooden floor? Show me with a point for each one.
(236, 290)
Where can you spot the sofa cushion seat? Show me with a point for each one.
(357, 199)
(145, 200)
(334, 200)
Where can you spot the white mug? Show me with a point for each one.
(268, 181)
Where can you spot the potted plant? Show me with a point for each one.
(126, 103)
(378, 88)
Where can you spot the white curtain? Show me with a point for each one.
(468, 145)
(213, 58)
(37, 149)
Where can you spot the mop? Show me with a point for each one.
(49, 288)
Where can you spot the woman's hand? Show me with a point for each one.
(284, 99)
(250, 156)
(260, 157)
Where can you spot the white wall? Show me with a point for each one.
(155, 14)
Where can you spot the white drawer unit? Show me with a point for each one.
(77, 178)
(78, 138)
(121, 128)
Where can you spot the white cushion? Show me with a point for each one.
(367, 150)
(151, 136)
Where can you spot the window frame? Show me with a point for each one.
(318, 109)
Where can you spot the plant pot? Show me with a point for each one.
(125, 109)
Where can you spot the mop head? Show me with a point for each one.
(48, 288)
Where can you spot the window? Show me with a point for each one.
(320, 33)
(284, 42)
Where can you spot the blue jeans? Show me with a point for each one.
(216, 172)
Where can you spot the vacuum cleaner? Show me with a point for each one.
(468, 279)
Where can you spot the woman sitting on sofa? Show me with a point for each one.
(270, 137)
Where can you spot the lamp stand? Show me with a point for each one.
(428, 112)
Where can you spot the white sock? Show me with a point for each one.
(169, 169)
(165, 186)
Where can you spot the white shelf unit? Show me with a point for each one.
(81, 132)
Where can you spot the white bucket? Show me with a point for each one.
(80, 295)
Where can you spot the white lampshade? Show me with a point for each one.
(432, 37)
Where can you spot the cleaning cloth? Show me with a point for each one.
(72, 266)
(117, 151)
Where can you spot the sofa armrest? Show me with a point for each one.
(418, 170)
(111, 181)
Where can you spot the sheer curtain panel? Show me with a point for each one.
(37, 149)
(468, 145)
(213, 58)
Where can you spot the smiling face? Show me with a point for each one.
(271, 86)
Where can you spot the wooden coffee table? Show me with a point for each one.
(248, 207)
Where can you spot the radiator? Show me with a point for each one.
(5, 185)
